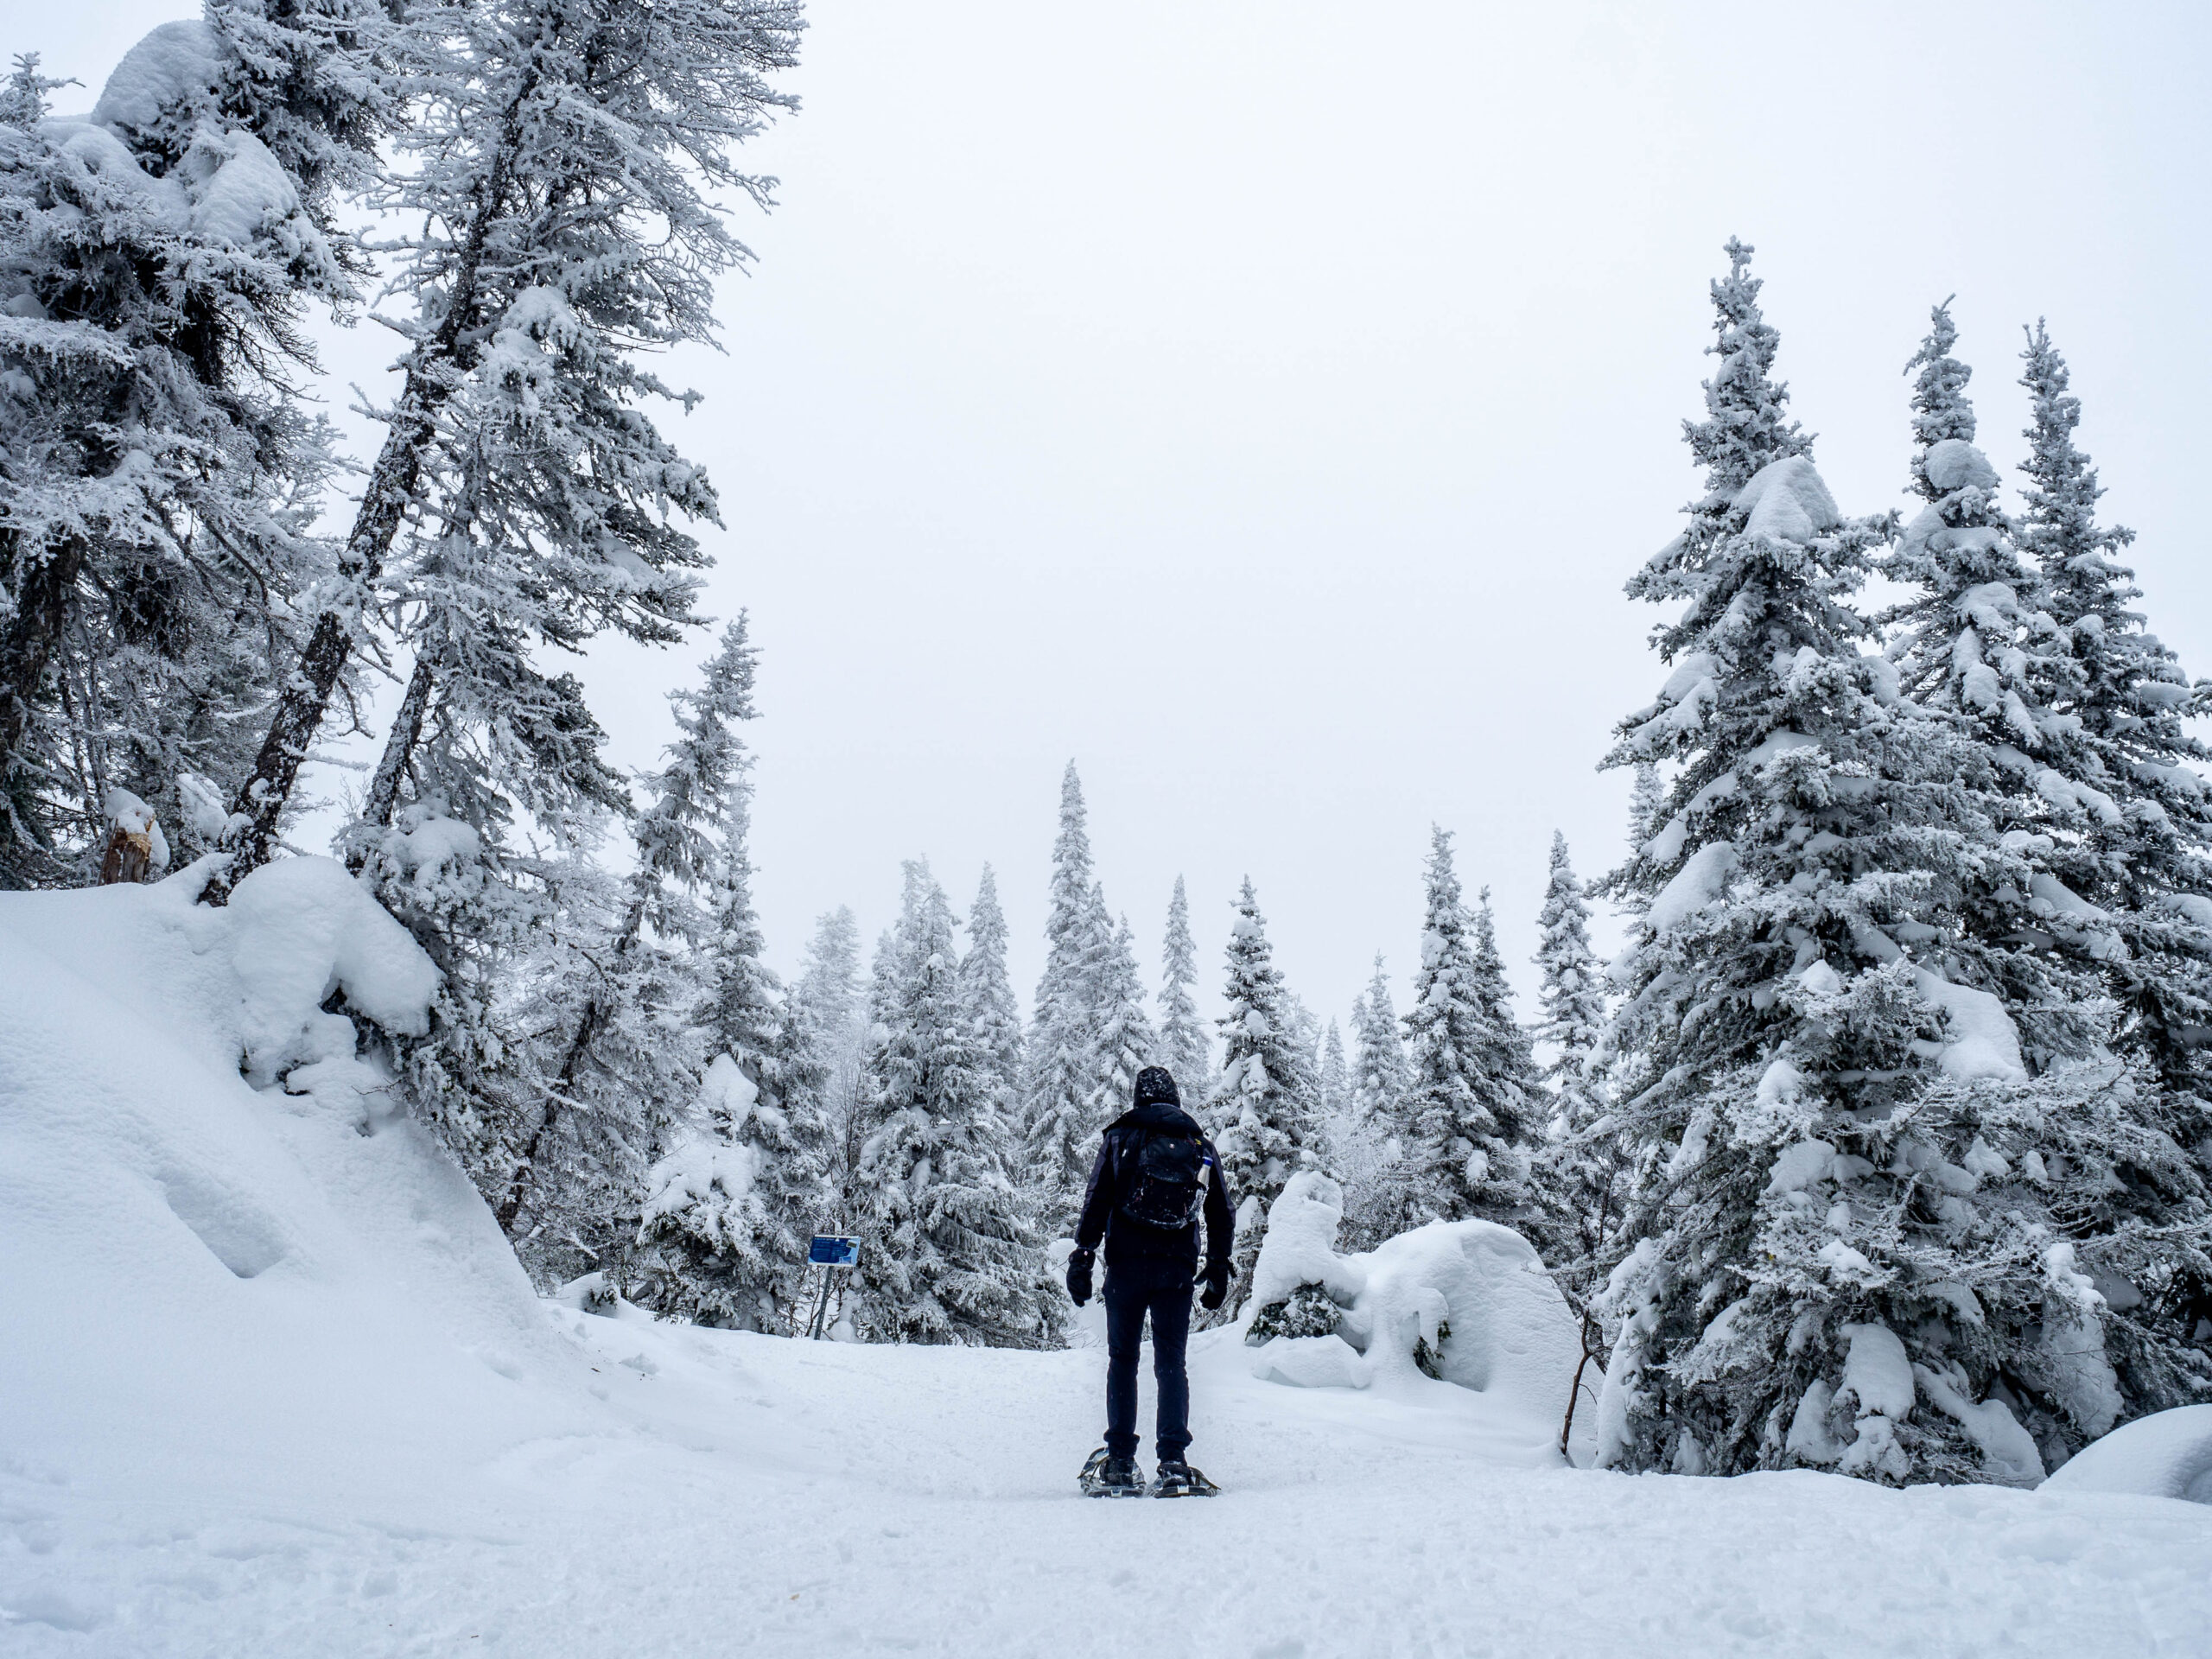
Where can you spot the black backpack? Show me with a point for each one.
(1167, 1186)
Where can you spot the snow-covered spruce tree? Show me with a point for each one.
(715, 1254)
(1468, 1123)
(948, 1255)
(613, 1064)
(1365, 1138)
(830, 999)
(157, 476)
(1183, 1047)
(1974, 644)
(1847, 1198)
(1061, 1097)
(554, 174)
(1644, 801)
(1578, 1170)
(2131, 834)
(1333, 1079)
(1378, 1081)
(1265, 1104)
(1123, 1040)
(994, 1013)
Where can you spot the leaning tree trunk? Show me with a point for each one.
(588, 1029)
(28, 643)
(434, 373)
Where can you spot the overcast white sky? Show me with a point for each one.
(1263, 403)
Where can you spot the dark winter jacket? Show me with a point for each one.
(1129, 1239)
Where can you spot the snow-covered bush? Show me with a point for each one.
(1464, 1302)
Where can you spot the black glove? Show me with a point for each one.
(1079, 1277)
(1217, 1288)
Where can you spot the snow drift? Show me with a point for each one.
(2167, 1454)
(1465, 1303)
(262, 1268)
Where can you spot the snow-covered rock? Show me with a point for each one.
(2167, 1454)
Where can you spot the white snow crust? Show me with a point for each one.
(272, 1383)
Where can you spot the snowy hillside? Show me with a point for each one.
(273, 1384)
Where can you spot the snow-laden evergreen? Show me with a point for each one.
(1378, 1080)
(948, 1252)
(1334, 1079)
(1466, 1123)
(726, 1241)
(1974, 645)
(1061, 1087)
(1183, 1047)
(994, 1012)
(1265, 1104)
(159, 474)
(619, 1050)
(1577, 1173)
(553, 188)
(1850, 1203)
(2130, 836)
(1122, 1039)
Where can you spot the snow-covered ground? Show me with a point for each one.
(269, 1383)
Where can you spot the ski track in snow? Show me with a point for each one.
(271, 1384)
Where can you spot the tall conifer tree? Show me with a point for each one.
(1266, 1102)
(1183, 1047)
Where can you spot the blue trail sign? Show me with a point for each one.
(828, 1251)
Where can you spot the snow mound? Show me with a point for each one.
(2167, 1454)
(206, 1275)
(1982, 1041)
(1299, 1246)
(1703, 879)
(177, 66)
(1956, 464)
(1467, 1303)
(1786, 501)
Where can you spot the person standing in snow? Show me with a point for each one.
(1155, 1175)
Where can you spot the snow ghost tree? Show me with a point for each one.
(1266, 1102)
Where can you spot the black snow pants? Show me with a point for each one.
(1160, 1287)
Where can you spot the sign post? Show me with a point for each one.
(829, 1251)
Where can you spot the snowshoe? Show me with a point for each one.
(1107, 1476)
(1177, 1479)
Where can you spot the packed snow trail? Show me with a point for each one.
(272, 1384)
